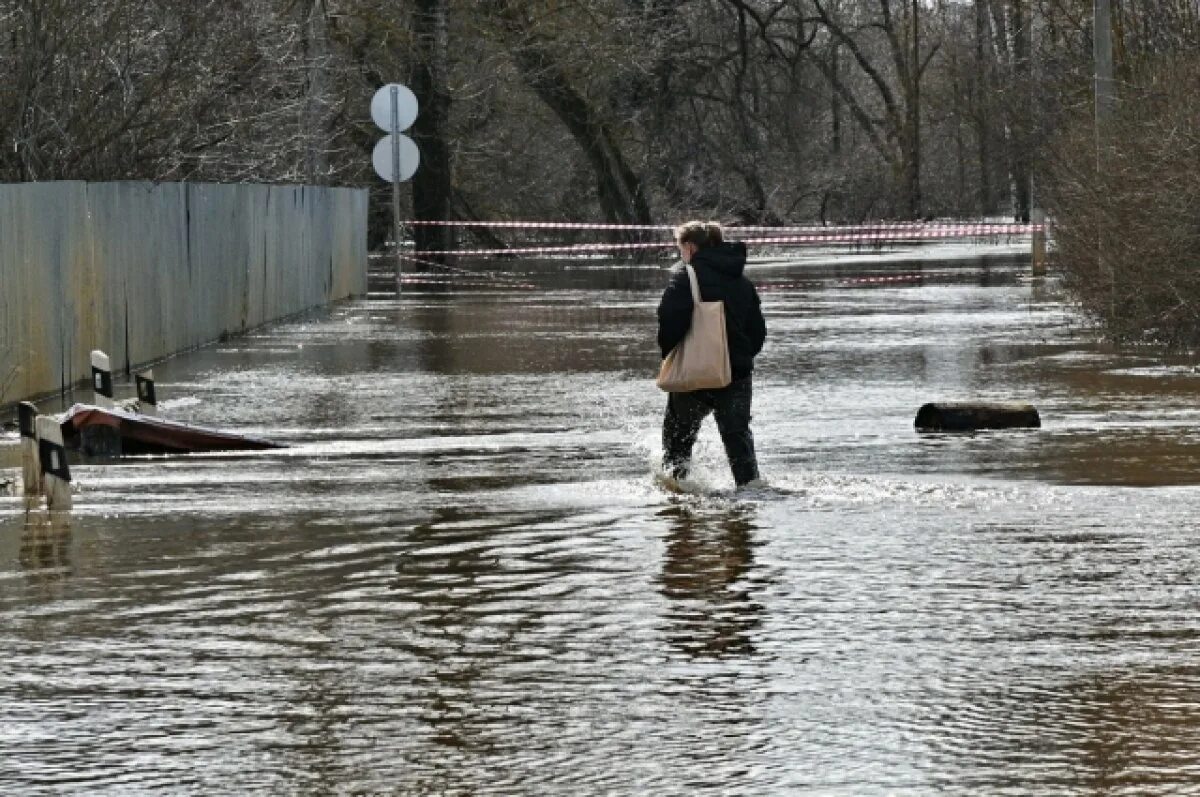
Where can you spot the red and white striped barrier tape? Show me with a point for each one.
(786, 286)
(446, 280)
(926, 232)
(547, 250)
(898, 278)
(833, 229)
(912, 234)
(877, 280)
(491, 277)
(539, 225)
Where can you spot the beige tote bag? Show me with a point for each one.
(701, 360)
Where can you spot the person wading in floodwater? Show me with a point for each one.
(718, 265)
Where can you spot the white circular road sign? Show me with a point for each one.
(406, 107)
(410, 158)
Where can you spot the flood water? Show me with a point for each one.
(461, 577)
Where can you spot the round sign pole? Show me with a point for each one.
(396, 170)
(395, 157)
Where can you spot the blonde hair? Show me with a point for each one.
(700, 233)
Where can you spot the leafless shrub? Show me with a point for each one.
(1126, 205)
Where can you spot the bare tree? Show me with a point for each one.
(886, 48)
(1125, 212)
(619, 189)
(211, 89)
(432, 192)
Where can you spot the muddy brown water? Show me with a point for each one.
(461, 577)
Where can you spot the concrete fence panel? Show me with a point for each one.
(146, 270)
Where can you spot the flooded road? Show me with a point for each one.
(460, 578)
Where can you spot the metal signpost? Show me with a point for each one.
(396, 157)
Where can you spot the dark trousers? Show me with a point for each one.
(731, 407)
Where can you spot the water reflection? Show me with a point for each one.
(1123, 731)
(1141, 721)
(461, 578)
(465, 609)
(45, 551)
(317, 704)
(709, 555)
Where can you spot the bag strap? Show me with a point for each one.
(695, 283)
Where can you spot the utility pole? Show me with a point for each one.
(397, 169)
(1102, 52)
(914, 113)
(395, 157)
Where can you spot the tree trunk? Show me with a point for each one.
(835, 108)
(913, 106)
(982, 118)
(960, 150)
(1020, 110)
(896, 132)
(618, 188)
(432, 181)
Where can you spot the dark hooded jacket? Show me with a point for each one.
(719, 273)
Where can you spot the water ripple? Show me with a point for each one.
(461, 578)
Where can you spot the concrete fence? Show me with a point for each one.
(145, 270)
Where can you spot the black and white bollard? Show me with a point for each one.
(147, 400)
(101, 441)
(102, 384)
(56, 474)
(31, 466)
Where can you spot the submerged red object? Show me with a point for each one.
(112, 432)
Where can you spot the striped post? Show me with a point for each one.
(101, 441)
(31, 466)
(102, 386)
(56, 474)
(147, 399)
